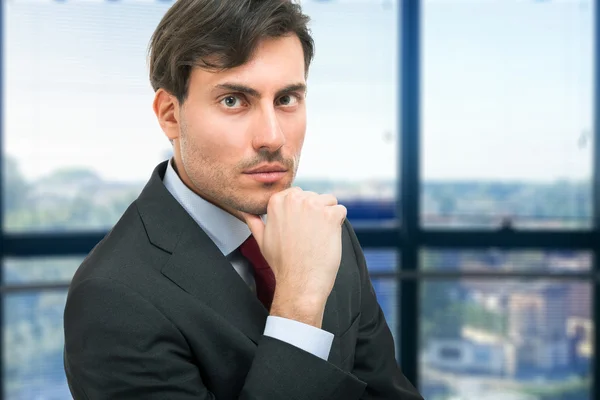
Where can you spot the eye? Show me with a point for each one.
(231, 101)
(288, 100)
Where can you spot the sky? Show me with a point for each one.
(507, 89)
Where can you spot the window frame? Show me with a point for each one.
(407, 236)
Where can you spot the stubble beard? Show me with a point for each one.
(212, 182)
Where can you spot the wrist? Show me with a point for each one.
(306, 309)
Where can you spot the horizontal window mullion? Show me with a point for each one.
(49, 244)
(33, 287)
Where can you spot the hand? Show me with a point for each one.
(302, 242)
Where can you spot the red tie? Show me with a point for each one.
(263, 275)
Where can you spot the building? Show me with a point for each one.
(537, 326)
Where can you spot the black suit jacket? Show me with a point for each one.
(157, 312)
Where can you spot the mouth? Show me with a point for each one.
(267, 177)
(266, 168)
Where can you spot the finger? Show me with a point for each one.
(294, 191)
(256, 225)
(327, 199)
(321, 199)
(338, 213)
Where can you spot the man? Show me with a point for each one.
(195, 293)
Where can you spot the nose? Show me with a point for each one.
(268, 133)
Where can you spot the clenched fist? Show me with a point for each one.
(302, 242)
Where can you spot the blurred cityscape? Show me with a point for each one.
(78, 198)
(506, 339)
(479, 339)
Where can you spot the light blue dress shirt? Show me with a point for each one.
(228, 233)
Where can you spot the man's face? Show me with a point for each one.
(239, 119)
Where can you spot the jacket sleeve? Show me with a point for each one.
(119, 346)
(374, 361)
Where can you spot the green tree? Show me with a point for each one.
(73, 175)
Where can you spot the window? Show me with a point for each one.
(33, 345)
(506, 145)
(78, 101)
(517, 332)
(507, 114)
(352, 103)
(33, 326)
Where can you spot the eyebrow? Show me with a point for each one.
(235, 87)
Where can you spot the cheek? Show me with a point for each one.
(217, 136)
(295, 129)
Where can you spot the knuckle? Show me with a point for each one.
(288, 193)
(313, 201)
(336, 213)
(331, 198)
(330, 213)
(295, 197)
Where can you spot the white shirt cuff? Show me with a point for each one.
(306, 337)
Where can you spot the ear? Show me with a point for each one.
(166, 108)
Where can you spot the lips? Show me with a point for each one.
(266, 168)
(267, 177)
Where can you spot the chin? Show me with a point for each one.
(254, 203)
(258, 198)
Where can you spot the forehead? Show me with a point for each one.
(276, 63)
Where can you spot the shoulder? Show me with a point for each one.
(124, 256)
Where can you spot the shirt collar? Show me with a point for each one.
(225, 230)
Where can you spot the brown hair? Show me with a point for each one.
(218, 35)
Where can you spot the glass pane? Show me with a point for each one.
(39, 270)
(385, 261)
(387, 296)
(494, 260)
(507, 114)
(33, 346)
(72, 168)
(382, 260)
(78, 101)
(352, 106)
(505, 339)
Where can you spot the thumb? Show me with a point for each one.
(256, 225)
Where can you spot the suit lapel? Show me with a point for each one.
(198, 267)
